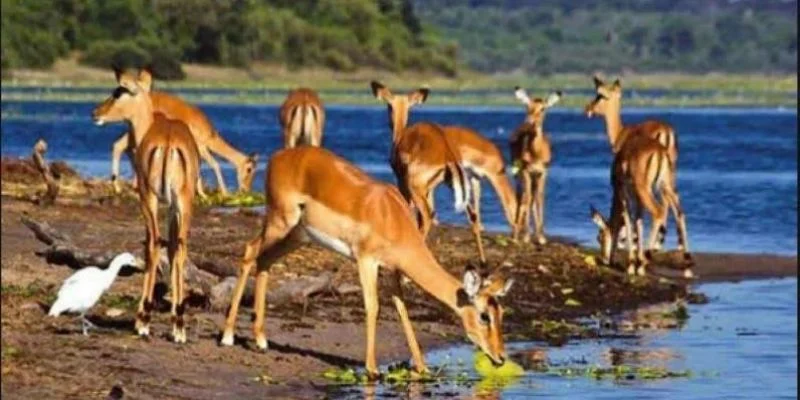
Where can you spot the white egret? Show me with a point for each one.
(82, 289)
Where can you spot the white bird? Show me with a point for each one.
(82, 289)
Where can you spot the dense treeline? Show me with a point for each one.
(338, 34)
(546, 36)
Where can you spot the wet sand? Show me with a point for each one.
(48, 358)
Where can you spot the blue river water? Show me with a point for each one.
(738, 183)
(737, 167)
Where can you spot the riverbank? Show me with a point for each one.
(267, 84)
(48, 358)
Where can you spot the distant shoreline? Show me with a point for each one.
(469, 88)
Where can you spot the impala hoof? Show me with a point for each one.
(261, 344)
(227, 339)
(688, 274)
(143, 331)
(641, 271)
(631, 269)
(541, 240)
(179, 335)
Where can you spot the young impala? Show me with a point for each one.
(419, 153)
(640, 164)
(167, 168)
(302, 118)
(608, 103)
(530, 155)
(314, 194)
(207, 138)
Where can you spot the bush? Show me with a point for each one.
(336, 60)
(164, 64)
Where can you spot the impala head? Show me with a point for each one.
(482, 313)
(246, 171)
(607, 98)
(604, 237)
(398, 104)
(535, 108)
(130, 98)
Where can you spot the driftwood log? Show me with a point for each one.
(213, 281)
(49, 177)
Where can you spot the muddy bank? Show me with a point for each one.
(48, 358)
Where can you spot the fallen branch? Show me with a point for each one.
(44, 169)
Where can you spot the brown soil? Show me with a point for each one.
(46, 357)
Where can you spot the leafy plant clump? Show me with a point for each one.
(619, 372)
(242, 199)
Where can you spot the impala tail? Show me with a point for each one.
(163, 163)
(456, 177)
(304, 122)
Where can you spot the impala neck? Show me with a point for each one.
(218, 145)
(141, 121)
(613, 119)
(508, 199)
(426, 272)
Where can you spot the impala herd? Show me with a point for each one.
(314, 194)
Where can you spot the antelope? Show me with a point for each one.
(207, 138)
(425, 154)
(608, 103)
(531, 154)
(167, 163)
(316, 195)
(639, 165)
(302, 118)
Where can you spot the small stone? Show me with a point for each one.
(29, 306)
(114, 312)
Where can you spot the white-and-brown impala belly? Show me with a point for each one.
(330, 229)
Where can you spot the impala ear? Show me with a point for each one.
(472, 282)
(552, 99)
(597, 81)
(380, 91)
(522, 95)
(597, 217)
(253, 157)
(418, 96)
(117, 71)
(616, 85)
(145, 79)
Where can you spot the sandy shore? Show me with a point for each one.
(48, 358)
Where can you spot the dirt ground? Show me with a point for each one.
(46, 357)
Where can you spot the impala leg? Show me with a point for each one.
(626, 218)
(524, 207)
(474, 223)
(120, 146)
(277, 226)
(683, 240)
(539, 208)
(179, 241)
(476, 200)
(206, 155)
(432, 206)
(149, 207)
(424, 213)
(402, 312)
(640, 258)
(368, 274)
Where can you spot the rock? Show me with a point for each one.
(114, 312)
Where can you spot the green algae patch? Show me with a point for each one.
(241, 199)
(486, 368)
(619, 372)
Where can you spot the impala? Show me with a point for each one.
(608, 103)
(302, 118)
(531, 155)
(167, 169)
(314, 194)
(639, 165)
(207, 138)
(421, 151)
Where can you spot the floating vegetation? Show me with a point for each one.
(619, 372)
(240, 199)
(486, 368)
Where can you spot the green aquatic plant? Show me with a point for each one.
(618, 372)
(241, 199)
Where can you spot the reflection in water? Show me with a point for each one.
(722, 363)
